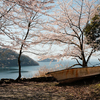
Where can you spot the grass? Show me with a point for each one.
(49, 91)
(42, 72)
(87, 89)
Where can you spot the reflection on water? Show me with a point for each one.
(30, 71)
(21, 71)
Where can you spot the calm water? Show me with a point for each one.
(30, 71)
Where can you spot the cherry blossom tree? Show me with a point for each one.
(5, 8)
(66, 28)
(24, 18)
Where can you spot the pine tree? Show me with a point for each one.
(92, 32)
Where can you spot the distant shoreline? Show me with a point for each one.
(48, 60)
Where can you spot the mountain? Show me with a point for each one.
(48, 60)
(9, 58)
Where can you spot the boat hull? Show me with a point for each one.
(70, 75)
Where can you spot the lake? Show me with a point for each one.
(30, 71)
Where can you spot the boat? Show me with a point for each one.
(74, 74)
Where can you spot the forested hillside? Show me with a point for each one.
(9, 58)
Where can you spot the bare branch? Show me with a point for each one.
(80, 14)
(7, 11)
(90, 54)
(73, 66)
(77, 61)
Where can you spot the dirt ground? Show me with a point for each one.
(49, 91)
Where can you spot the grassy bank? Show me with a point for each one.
(30, 89)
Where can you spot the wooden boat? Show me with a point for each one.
(70, 75)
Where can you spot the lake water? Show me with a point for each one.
(30, 71)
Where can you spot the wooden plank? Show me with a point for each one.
(75, 73)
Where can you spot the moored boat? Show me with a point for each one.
(70, 75)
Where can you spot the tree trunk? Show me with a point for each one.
(19, 63)
(84, 64)
(20, 53)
